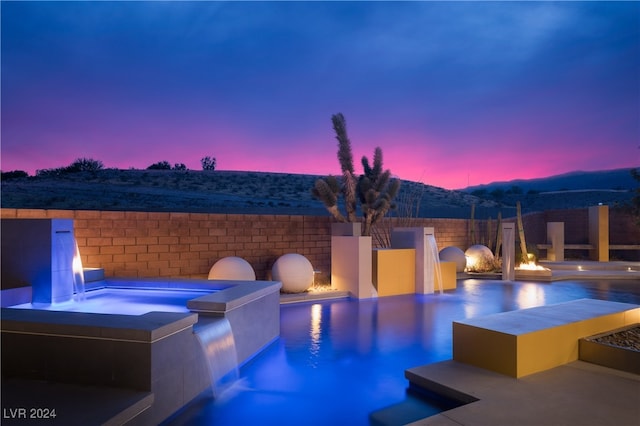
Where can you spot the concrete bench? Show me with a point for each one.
(589, 247)
(527, 341)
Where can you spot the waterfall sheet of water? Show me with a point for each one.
(508, 253)
(78, 274)
(432, 261)
(70, 283)
(219, 347)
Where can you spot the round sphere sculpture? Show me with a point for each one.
(294, 271)
(232, 268)
(454, 254)
(479, 258)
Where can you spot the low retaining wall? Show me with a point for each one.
(150, 244)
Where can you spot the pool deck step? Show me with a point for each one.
(26, 402)
(578, 393)
(527, 341)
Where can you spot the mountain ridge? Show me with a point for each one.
(616, 179)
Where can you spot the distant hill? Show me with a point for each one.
(618, 179)
(213, 192)
(286, 193)
(565, 191)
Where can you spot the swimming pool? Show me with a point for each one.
(337, 362)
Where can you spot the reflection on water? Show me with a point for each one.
(530, 295)
(359, 350)
(315, 332)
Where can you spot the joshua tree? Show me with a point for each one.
(374, 190)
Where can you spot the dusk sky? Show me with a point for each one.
(455, 93)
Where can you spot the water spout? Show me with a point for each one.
(219, 348)
(433, 260)
(508, 252)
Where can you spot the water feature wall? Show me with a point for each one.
(39, 253)
(422, 239)
(508, 251)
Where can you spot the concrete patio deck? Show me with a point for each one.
(574, 393)
(577, 393)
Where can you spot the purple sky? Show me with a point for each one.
(453, 92)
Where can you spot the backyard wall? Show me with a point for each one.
(147, 244)
(622, 230)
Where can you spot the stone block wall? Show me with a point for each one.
(149, 244)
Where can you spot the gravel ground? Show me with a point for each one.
(628, 339)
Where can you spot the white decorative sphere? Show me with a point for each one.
(479, 259)
(294, 271)
(232, 268)
(454, 254)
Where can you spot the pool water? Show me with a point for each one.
(343, 362)
(125, 301)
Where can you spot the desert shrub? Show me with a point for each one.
(85, 165)
(78, 165)
(160, 165)
(58, 171)
(208, 163)
(179, 166)
(14, 174)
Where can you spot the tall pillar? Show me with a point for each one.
(555, 238)
(351, 266)
(599, 233)
(39, 253)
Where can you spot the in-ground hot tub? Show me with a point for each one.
(168, 349)
(156, 351)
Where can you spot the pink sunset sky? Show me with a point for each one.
(455, 93)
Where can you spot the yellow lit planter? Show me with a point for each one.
(527, 341)
(394, 271)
